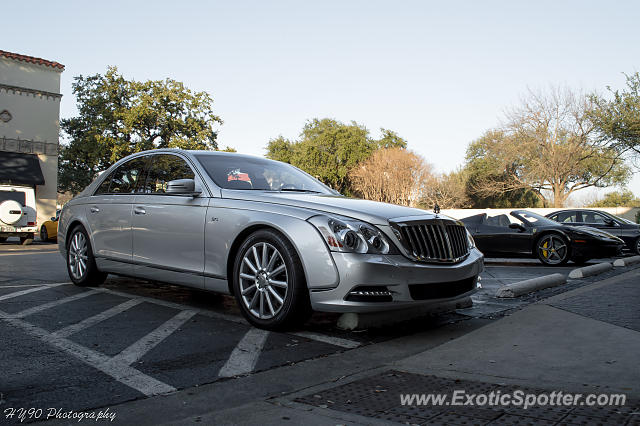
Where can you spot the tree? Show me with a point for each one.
(391, 175)
(548, 145)
(329, 149)
(618, 119)
(624, 198)
(448, 191)
(117, 117)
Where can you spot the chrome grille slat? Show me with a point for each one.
(435, 240)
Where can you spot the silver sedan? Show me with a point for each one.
(264, 231)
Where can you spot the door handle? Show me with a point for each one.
(139, 210)
(94, 209)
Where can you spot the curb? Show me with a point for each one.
(361, 321)
(587, 271)
(627, 261)
(529, 286)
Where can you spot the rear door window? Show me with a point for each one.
(18, 196)
(124, 179)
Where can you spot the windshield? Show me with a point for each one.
(533, 218)
(246, 173)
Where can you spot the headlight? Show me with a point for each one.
(470, 240)
(351, 236)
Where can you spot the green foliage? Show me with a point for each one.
(117, 117)
(329, 149)
(624, 198)
(618, 119)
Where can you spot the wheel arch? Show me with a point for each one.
(547, 232)
(241, 237)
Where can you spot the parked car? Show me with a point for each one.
(627, 230)
(526, 234)
(17, 213)
(277, 239)
(49, 229)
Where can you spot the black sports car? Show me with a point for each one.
(628, 231)
(526, 234)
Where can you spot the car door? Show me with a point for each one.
(109, 216)
(600, 221)
(168, 230)
(493, 235)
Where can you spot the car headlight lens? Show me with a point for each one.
(351, 236)
(470, 240)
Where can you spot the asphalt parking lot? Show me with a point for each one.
(131, 339)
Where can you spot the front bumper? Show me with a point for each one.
(409, 283)
(597, 250)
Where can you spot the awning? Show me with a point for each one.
(20, 169)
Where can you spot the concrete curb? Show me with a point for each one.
(627, 261)
(529, 286)
(361, 321)
(587, 271)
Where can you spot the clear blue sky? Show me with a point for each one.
(438, 73)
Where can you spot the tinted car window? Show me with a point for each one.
(590, 217)
(566, 217)
(18, 196)
(162, 169)
(124, 179)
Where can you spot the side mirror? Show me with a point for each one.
(182, 187)
(610, 222)
(517, 226)
(52, 218)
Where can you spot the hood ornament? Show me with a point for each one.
(436, 209)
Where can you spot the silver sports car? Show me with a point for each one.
(264, 231)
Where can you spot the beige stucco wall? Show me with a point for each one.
(34, 126)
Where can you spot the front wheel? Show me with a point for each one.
(553, 250)
(81, 265)
(637, 246)
(269, 283)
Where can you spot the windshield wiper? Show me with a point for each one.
(299, 190)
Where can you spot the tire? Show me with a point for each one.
(44, 236)
(272, 294)
(3, 239)
(636, 249)
(25, 241)
(552, 249)
(81, 265)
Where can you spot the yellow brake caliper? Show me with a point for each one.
(545, 253)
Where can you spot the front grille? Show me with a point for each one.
(441, 290)
(435, 240)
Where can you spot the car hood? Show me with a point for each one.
(369, 211)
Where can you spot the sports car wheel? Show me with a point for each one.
(269, 283)
(81, 265)
(553, 249)
(43, 233)
(638, 246)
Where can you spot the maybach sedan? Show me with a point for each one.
(281, 242)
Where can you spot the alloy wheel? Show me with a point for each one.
(552, 249)
(264, 280)
(78, 255)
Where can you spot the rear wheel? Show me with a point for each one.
(25, 241)
(269, 283)
(637, 246)
(81, 265)
(44, 236)
(552, 249)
